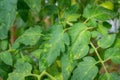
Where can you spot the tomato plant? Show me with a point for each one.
(59, 40)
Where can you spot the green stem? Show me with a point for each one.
(70, 24)
(34, 75)
(107, 59)
(47, 74)
(90, 28)
(86, 20)
(50, 76)
(39, 77)
(102, 62)
(66, 29)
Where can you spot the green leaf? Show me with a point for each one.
(86, 70)
(117, 43)
(92, 22)
(22, 69)
(72, 9)
(97, 12)
(71, 17)
(36, 53)
(80, 39)
(4, 44)
(67, 65)
(113, 54)
(23, 10)
(106, 40)
(50, 10)
(7, 16)
(3, 74)
(35, 5)
(64, 3)
(29, 37)
(109, 76)
(95, 34)
(102, 29)
(6, 57)
(53, 46)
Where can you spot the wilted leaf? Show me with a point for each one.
(80, 38)
(6, 57)
(113, 54)
(53, 46)
(7, 16)
(86, 70)
(22, 69)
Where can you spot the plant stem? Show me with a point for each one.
(52, 78)
(35, 75)
(47, 74)
(86, 20)
(102, 62)
(42, 74)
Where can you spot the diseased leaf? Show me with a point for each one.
(106, 40)
(80, 38)
(6, 57)
(110, 76)
(97, 12)
(53, 46)
(22, 69)
(113, 54)
(86, 70)
(67, 65)
(29, 37)
(7, 16)
(35, 5)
